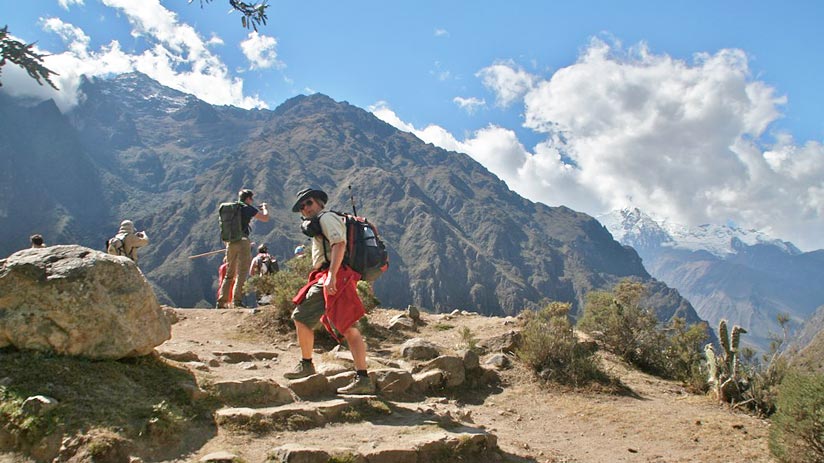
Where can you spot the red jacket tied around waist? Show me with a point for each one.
(343, 308)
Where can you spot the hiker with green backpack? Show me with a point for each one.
(235, 229)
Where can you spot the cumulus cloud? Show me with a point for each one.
(507, 81)
(260, 50)
(178, 58)
(470, 104)
(685, 140)
(441, 32)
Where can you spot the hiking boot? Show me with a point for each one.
(301, 370)
(361, 385)
(221, 306)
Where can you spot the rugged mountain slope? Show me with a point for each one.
(740, 275)
(458, 236)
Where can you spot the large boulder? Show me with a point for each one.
(73, 300)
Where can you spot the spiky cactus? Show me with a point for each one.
(723, 367)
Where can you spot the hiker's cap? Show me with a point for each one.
(307, 193)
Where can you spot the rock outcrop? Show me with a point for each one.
(76, 301)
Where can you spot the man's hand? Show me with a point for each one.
(330, 284)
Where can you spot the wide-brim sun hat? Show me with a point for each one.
(307, 193)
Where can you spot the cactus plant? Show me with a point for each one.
(723, 366)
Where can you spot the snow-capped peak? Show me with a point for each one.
(635, 228)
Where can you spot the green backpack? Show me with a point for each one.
(231, 227)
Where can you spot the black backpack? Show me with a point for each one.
(270, 264)
(231, 226)
(365, 251)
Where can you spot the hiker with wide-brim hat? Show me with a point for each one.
(331, 295)
(306, 193)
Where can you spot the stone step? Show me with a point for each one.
(252, 392)
(461, 444)
(296, 416)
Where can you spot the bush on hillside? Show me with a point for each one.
(765, 376)
(282, 286)
(618, 322)
(684, 354)
(550, 348)
(797, 431)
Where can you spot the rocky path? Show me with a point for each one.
(418, 417)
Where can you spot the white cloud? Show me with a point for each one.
(441, 32)
(260, 50)
(682, 140)
(66, 3)
(470, 104)
(508, 82)
(178, 58)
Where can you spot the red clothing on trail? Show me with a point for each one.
(343, 308)
(221, 274)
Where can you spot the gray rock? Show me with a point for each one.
(5, 381)
(419, 349)
(253, 391)
(471, 360)
(499, 361)
(77, 301)
(297, 453)
(401, 322)
(198, 366)
(233, 356)
(177, 356)
(413, 313)
(171, 314)
(219, 457)
(451, 366)
(429, 380)
(506, 343)
(312, 386)
(393, 383)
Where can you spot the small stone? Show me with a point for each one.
(219, 457)
(5, 381)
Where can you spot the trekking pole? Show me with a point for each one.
(352, 198)
(210, 253)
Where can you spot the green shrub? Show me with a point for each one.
(550, 348)
(468, 339)
(797, 431)
(617, 321)
(367, 296)
(282, 286)
(684, 354)
(764, 376)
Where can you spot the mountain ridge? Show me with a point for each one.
(458, 236)
(743, 276)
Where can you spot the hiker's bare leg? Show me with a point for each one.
(357, 346)
(306, 339)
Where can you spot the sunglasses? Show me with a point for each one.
(306, 204)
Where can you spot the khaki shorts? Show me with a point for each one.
(312, 308)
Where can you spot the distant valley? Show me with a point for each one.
(743, 276)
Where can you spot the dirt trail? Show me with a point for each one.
(657, 422)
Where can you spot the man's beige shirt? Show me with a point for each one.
(333, 227)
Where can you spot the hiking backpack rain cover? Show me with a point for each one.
(231, 227)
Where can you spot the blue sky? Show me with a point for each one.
(693, 111)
